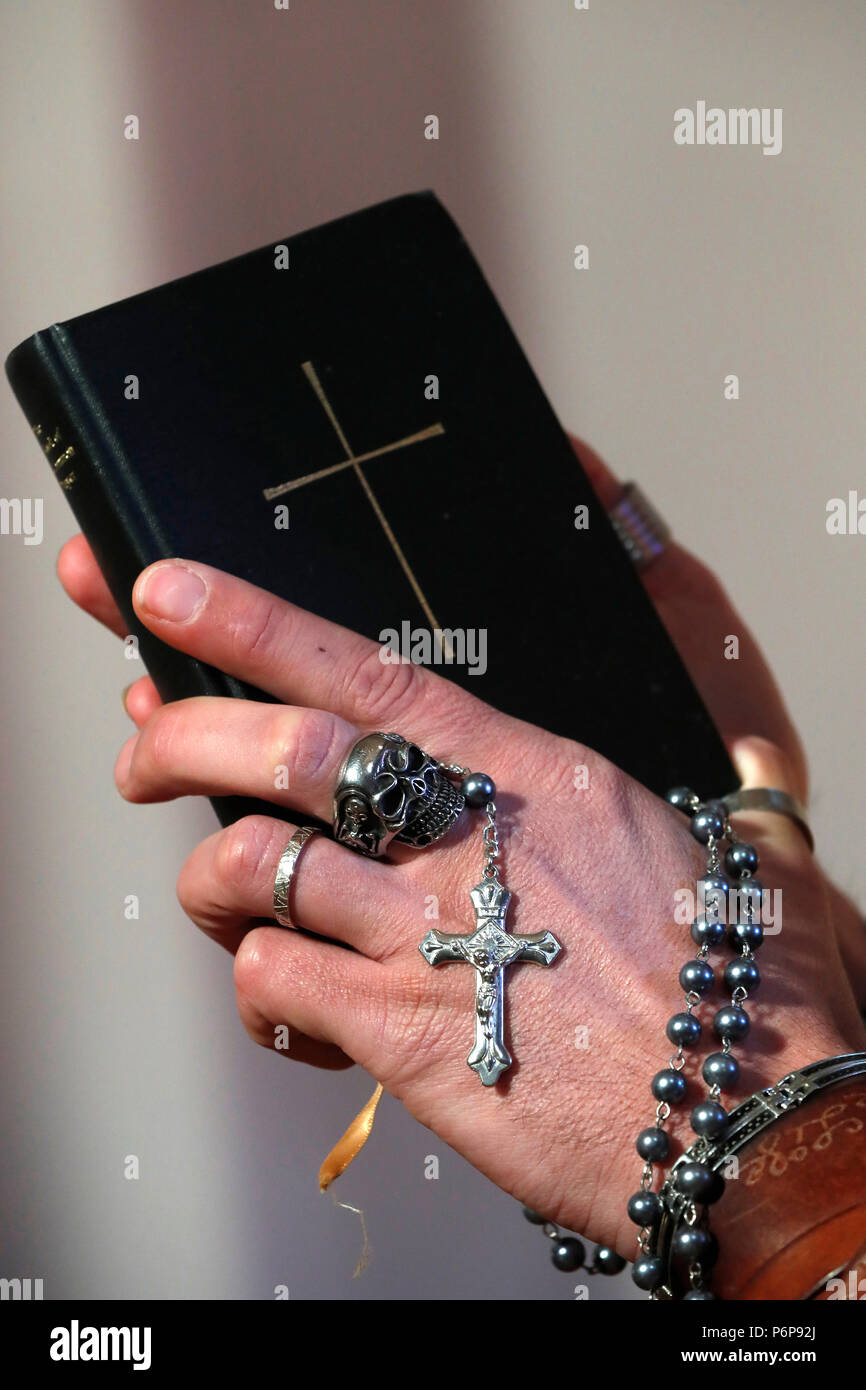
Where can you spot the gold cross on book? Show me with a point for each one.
(354, 461)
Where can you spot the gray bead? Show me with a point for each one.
(683, 798)
(742, 973)
(693, 1243)
(653, 1145)
(647, 1272)
(669, 1085)
(707, 823)
(683, 1030)
(722, 1070)
(699, 1296)
(744, 901)
(644, 1208)
(749, 934)
(534, 1217)
(712, 895)
(731, 1022)
(741, 857)
(607, 1261)
(707, 931)
(697, 977)
(478, 789)
(568, 1253)
(699, 1182)
(709, 1119)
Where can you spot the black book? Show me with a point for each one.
(346, 418)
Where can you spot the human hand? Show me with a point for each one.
(598, 867)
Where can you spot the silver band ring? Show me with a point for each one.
(285, 870)
(770, 799)
(643, 533)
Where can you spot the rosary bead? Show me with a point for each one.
(533, 1217)
(712, 894)
(731, 1022)
(708, 822)
(693, 1243)
(749, 934)
(743, 974)
(683, 798)
(644, 1208)
(683, 1030)
(478, 789)
(741, 856)
(696, 1295)
(568, 1254)
(707, 931)
(653, 1145)
(699, 1182)
(669, 1085)
(746, 900)
(722, 1070)
(709, 1119)
(696, 977)
(607, 1261)
(647, 1272)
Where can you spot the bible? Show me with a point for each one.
(346, 418)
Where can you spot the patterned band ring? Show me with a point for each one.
(285, 870)
(643, 533)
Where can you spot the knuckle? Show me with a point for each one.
(259, 632)
(411, 1027)
(549, 764)
(384, 688)
(157, 746)
(252, 965)
(315, 740)
(244, 853)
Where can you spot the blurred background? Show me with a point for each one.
(120, 1037)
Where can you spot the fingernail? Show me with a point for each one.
(124, 693)
(172, 592)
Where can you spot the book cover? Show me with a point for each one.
(346, 418)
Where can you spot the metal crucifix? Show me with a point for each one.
(490, 948)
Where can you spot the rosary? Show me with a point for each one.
(390, 789)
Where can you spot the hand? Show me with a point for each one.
(598, 867)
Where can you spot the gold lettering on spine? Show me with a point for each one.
(50, 442)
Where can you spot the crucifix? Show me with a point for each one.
(354, 461)
(490, 948)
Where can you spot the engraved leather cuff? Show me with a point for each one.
(796, 1214)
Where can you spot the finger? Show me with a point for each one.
(328, 994)
(221, 747)
(228, 881)
(290, 653)
(741, 695)
(82, 579)
(761, 763)
(140, 700)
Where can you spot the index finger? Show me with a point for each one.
(293, 654)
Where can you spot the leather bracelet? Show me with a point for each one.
(747, 1121)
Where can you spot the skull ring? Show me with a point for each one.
(390, 789)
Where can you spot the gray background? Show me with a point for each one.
(556, 127)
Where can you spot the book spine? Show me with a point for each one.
(88, 462)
